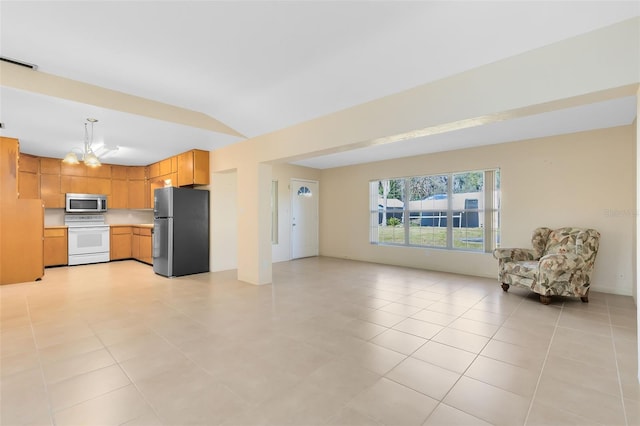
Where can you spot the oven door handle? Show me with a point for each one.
(88, 229)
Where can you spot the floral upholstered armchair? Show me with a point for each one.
(560, 263)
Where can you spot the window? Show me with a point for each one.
(459, 211)
(303, 191)
(274, 212)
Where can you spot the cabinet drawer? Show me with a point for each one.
(117, 230)
(145, 231)
(55, 232)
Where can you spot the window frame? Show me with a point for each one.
(488, 215)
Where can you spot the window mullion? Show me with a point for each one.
(405, 214)
(489, 189)
(450, 210)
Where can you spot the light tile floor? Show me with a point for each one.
(331, 342)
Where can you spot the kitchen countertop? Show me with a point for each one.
(133, 225)
(55, 227)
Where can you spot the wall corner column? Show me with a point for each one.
(636, 290)
(254, 223)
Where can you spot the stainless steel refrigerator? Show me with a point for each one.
(180, 231)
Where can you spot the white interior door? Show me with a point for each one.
(304, 218)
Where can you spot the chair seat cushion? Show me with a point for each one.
(524, 269)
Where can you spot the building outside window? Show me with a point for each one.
(456, 211)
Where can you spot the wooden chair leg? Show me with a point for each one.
(545, 300)
(585, 298)
(505, 287)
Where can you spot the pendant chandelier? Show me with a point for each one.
(88, 157)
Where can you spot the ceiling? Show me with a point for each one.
(260, 66)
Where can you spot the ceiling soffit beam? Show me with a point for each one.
(18, 77)
(592, 67)
(602, 96)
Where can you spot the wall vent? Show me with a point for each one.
(16, 62)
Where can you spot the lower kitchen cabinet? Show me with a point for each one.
(141, 244)
(120, 241)
(146, 255)
(135, 243)
(55, 247)
(125, 242)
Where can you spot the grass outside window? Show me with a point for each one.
(456, 211)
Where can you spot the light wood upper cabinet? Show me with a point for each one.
(137, 198)
(154, 170)
(103, 171)
(119, 172)
(28, 163)
(81, 169)
(50, 193)
(119, 197)
(165, 167)
(170, 179)
(50, 166)
(193, 168)
(99, 185)
(75, 184)
(28, 176)
(126, 186)
(136, 172)
(72, 169)
(28, 185)
(85, 185)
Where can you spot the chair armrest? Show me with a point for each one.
(560, 262)
(514, 254)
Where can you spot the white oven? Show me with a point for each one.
(88, 239)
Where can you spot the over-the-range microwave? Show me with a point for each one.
(85, 203)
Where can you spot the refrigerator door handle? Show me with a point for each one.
(156, 244)
(170, 246)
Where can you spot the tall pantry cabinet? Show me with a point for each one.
(21, 223)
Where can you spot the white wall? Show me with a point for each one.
(577, 71)
(583, 179)
(224, 215)
(224, 221)
(125, 216)
(637, 226)
(283, 173)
